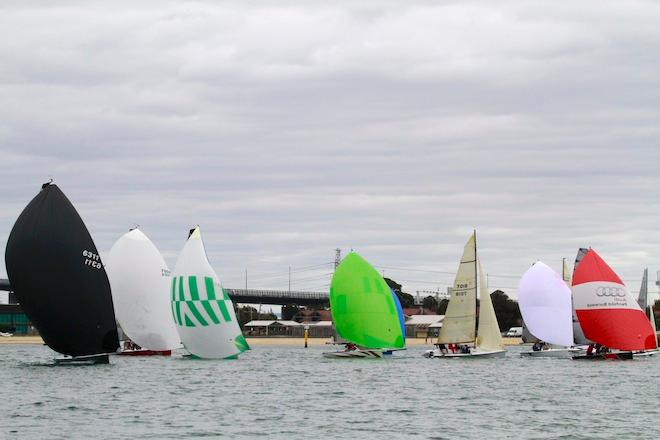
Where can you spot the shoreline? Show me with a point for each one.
(263, 341)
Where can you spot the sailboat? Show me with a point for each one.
(546, 307)
(365, 311)
(607, 312)
(57, 274)
(642, 300)
(203, 312)
(458, 326)
(141, 282)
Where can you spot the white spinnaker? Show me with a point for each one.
(545, 304)
(489, 337)
(140, 284)
(203, 314)
(460, 318)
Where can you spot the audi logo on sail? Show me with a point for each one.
(611, 291)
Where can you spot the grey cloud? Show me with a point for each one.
(287, 130)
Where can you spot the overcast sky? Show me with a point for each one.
(288, 129)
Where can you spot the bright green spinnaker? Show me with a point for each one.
(363, 307)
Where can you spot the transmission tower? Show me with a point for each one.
(337, 257)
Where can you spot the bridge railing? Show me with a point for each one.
(278, 294)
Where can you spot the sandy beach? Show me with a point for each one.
(254, 341)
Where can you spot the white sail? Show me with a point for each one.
(578, 334)
(459, 322)
(489, 337)
(203, 313)
(566, 274)
(642, 300)
(652, 319)
(643, 290)
(140, 283)
(545, 304)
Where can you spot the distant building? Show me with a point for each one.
(417, 310)
(321, 329)
(292, 329)
(313, 315)
(270, 328)
(14, 320)
(423, 326)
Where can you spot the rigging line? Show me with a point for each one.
(315, 277)
(414, 270)
(278, 275)
(266, 277)
(315, 265)
(436, 283)
(286, 271)
(294, 270)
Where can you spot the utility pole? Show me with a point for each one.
(246, 279)
(289, 279)
(337, 257)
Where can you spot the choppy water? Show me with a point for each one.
(294, 393)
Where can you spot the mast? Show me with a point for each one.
(476, 277)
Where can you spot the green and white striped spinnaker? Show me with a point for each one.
(363, 306)
(203, 313)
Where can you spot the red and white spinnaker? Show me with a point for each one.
(608, 313)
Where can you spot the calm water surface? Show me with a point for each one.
(294, 393)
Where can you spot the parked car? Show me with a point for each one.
(514, 332)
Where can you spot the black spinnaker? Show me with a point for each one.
(56, 272)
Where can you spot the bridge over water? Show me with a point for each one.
(258, 296)
(281, 297)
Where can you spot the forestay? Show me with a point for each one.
(141, 282)
(458, 325)
(545, 304)
(203, 313)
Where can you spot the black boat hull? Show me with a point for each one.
(621, 356)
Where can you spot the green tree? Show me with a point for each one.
(289, 311)
(405, 299)
(246, 314)
(506, 310)
(430, 303)
(442, 306)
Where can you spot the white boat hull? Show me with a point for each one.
(552, 353)
(355, 354)
(645, 353)
(473, 354)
